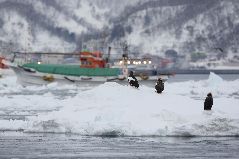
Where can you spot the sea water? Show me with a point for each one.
(117, 121)
(45, 145)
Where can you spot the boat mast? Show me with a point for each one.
(108, 57)
(125, 46)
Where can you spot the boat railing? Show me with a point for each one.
(20, 58)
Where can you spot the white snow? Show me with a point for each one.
(113, 109)
(50, 42)
(86, 13)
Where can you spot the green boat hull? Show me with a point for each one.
(72, 70)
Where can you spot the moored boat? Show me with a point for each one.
(91, 70)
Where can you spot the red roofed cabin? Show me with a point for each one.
(92, 60)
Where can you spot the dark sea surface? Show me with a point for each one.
(198, 77)
(34, 145)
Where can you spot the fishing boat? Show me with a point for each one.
(91, 68)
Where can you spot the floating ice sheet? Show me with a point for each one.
(117, 110)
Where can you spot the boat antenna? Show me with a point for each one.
(125, 47)
(108, 57)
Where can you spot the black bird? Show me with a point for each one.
(218, 48)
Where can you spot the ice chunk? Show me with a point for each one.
(214, 80)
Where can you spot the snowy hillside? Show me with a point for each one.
(50, 25)
(150, 26)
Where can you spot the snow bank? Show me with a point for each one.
(116, 110)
